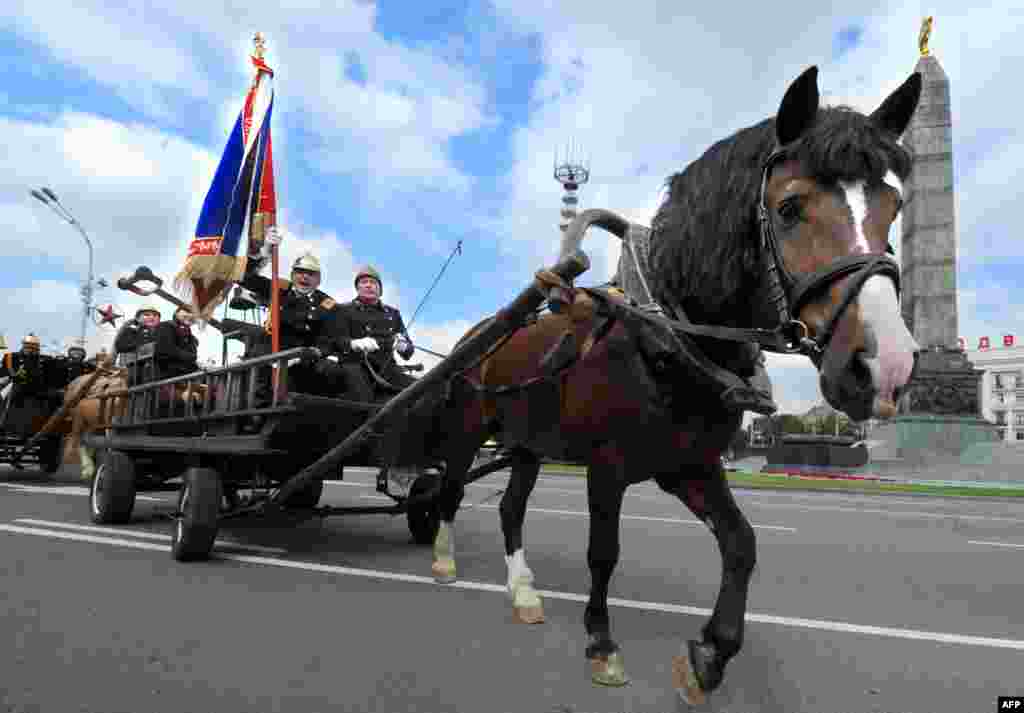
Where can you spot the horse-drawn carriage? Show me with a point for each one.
(21, 421)
(25, 412)
(199, 427)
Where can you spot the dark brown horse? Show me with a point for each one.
(781, 227)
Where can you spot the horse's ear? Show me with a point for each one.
(798, 108)
(898, 108)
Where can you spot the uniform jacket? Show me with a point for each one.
(132, 336)
(303, 317)
(68, 370)
(357, 319)
(30, 374)
(175, 351)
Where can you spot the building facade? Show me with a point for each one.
(1002, 385)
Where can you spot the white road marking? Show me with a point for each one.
(895, 513)
(580, 513)
(147, 535)
(64, 490)
(818, 624)
(997, 544)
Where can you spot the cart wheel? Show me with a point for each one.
(112, 494)
(308, 497)
(50, 454)
(425, 518)
(198, 510)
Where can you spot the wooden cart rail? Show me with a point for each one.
(203, 396)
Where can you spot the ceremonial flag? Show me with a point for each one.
(240, 203)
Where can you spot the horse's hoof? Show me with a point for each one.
(530, 614)
(685, 681)
(608, 670)
(443, 570)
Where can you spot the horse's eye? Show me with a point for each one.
(789, 211)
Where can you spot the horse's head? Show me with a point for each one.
(831, 191)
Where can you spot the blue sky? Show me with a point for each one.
(401, 128)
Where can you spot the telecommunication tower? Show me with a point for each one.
(572, 172)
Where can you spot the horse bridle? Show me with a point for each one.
(789, 294)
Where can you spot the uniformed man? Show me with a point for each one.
(31, 373)
(74, 364)
(138, 331)
(133, 334)
(364, 335)
(305, 312)
(176, 349)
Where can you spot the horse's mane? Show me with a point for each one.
(705, 238)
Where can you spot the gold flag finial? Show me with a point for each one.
(259, 42)
(922, 38)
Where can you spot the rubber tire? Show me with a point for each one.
(199, 508)
(51, 454)
(112, 492)
(424, 520)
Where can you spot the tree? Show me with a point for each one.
(789, 424)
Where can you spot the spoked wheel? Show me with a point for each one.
(198, 511)
(424, 519)
(112, 494)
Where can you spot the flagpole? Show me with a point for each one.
(275, 296)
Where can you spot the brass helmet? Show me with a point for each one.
(148, 307)
(307, 261)
(31, 343)
(368, 271)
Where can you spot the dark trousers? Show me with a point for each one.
(361, 386)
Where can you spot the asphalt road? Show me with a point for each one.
(859, 603)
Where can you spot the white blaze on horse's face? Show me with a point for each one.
(892, 360)
(857, 202)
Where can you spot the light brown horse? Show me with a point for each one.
(783, 228)
(93, 414)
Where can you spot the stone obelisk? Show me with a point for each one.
(939, 421)
(929, 220)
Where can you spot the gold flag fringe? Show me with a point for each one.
(205, 280)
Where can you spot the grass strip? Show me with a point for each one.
(767, 481)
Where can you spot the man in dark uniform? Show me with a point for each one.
(135, 333)
(305, 312)
(31, 374)
(73, 365)
(176, 349)
(364, 335)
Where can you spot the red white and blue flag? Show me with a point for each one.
(240, 204)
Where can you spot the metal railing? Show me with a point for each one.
(223, 392)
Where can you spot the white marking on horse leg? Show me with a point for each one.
(891, 179)
(86, 457)
(443, 567)
(525, 600)
(858, 204)
(893, 360)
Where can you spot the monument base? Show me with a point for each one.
(927, 447)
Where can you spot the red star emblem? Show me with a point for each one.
(109, 316)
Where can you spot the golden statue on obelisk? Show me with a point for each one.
(260, 45)
(922, 37)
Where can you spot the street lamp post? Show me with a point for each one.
(48, 198)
